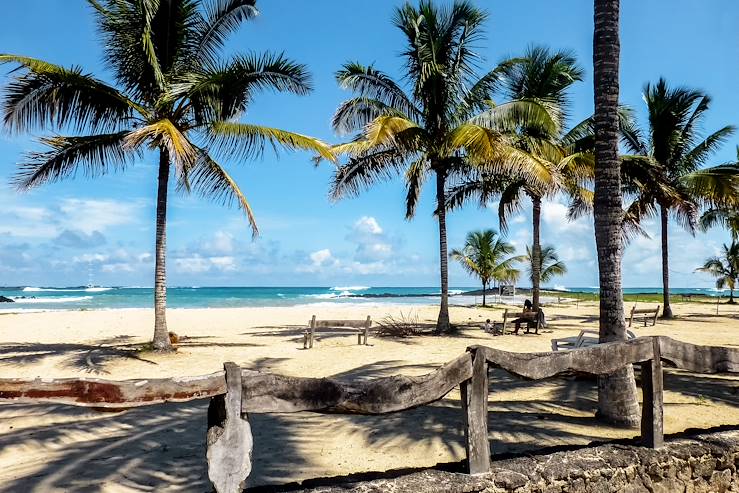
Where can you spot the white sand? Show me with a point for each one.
(58, 448)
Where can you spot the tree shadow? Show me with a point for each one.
(89, 358)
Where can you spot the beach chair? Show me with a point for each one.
(645, 314)
(585, 338)
(359, 327)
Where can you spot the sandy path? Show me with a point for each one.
(59, 448)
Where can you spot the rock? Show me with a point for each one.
(4, 299)
(706, 463)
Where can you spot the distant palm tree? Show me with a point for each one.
(616, 392)
(175, 95)
(444, 120)
(724, 268)
(544, 77)
(675, 145)
(550, 265)
(483, 256)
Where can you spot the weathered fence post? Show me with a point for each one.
(229, 441)
(475, 405)
(652, 432)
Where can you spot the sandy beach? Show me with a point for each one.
(161, 448)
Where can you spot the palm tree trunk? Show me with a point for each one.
(667, 310)
(442, 324)
(616, 392)
(483, 294)
(161, 335)
(536, 253)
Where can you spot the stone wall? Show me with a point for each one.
(702, 463)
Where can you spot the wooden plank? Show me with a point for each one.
(268, 393)
(598, 360)
(475, 406)
(652, 423)
(699, 359)
(91, 392)
(229, 441)
(341, 323)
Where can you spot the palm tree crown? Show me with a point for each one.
(550, 265)
(677, 150)
(440, 118)
(173, 94)
(484, 256)
(724, 267)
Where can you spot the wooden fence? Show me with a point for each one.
(235, 392)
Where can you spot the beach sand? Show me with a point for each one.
(161, 448)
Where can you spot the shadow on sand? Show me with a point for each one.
(161, 448)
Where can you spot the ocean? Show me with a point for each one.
(97, 298)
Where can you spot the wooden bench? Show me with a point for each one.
(585, 338)
(645, 314)
(360, 327)
(533, 320)
(686, 297)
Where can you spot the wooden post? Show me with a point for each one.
(475, 407)
(229, 440)
(367, 328)
(312, 331)
(652, 432)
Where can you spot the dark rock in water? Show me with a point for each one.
(3, 299)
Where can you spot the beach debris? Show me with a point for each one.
(173, 338)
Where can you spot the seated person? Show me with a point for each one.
(529, 320)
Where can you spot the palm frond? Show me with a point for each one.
(163, 133)
(364, 170)
(93, 155)
(415, 177)
(43, 94)
(222, 18)
(248, 141)
(211, 181)
(368, 82)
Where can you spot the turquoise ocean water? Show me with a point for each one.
(95, 298)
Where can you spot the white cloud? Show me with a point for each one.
(367, 225)
(89, 215)
(222, 243)
(554, 215)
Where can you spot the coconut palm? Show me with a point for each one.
(544, 77)
(173, 94)
(550, 266)
(483, 256)
(675, 145)
(725, 215)
(725, 268)
(616, 392)
(438, 120)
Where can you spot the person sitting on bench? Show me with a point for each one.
(529, 318)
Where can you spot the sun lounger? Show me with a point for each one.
(585, 338)
(360, 327)
(645, 314)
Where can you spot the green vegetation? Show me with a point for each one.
(725, 268)
(174, 94)
(483, 256)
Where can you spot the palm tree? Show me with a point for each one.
(725, 215)
(173, 95)
(616, 392)
(483, 256)
(543, 77)
(724, 268)
(550, 266)
(442, 121)
(674, 144)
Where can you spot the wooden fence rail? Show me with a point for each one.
(235, 392)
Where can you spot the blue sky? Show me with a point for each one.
(61, 233)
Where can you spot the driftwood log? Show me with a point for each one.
(266, 392)
(229, 440)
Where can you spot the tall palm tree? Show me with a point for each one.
(616, 392)
(484, 256)
(675, 145)
(724, 268)
(174, 94)
(544, 77)
(550, 266)
(444, 118)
